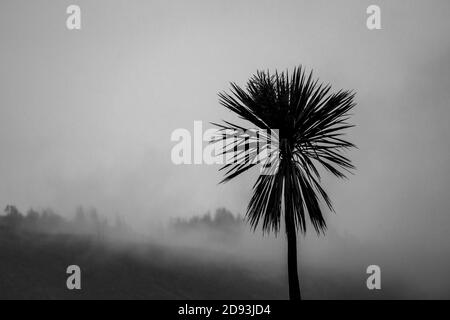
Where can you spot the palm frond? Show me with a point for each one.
(311, 122)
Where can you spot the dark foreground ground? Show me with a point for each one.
(34, 267)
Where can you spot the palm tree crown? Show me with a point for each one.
(311, 122)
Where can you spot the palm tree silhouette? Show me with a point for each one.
(311, 123)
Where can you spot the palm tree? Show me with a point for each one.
(310, 121)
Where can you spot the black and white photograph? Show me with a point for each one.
(246, 152)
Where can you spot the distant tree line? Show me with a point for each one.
(221, 225)
(222, 220)
(86, 222)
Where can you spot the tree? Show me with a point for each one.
(310, 123)
(31, 220)
(80, 220)
(13, 218)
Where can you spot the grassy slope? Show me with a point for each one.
(33, 267)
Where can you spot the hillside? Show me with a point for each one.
(33, 266)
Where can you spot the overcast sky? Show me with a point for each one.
(86, 116)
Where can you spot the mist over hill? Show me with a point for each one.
(210, 256)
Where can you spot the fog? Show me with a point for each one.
(86, 119)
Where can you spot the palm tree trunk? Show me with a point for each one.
(294, 285)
